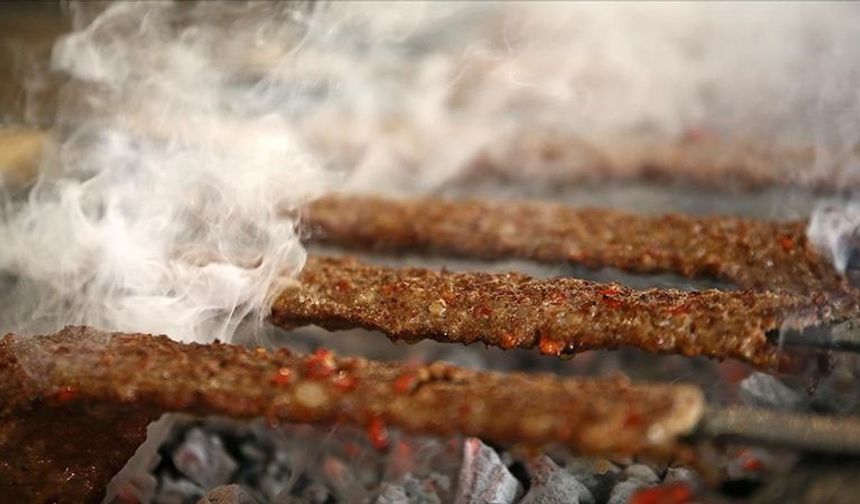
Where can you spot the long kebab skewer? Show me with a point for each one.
(558, 316)
(82, 382)
(73, 406)
(545, 159)
(751, 253)
(699, 158)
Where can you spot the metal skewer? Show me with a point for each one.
(843, 336)
(800, 431)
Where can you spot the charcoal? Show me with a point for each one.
(553, 485)
(623, 491)
(203, 459)
(764, 390)
(483, 477)
(598, 475)
(392, 494)
(641, 472)
(347, 481)
(314, 493)
(679, 475)
(839, 391)
(177, 491)
(420, 492)
(229, 494)
(138, 488)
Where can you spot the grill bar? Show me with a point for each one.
(832, 435)
(843, 336)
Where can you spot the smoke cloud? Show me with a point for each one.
(162, 208)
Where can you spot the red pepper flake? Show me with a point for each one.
(607, 293)
(388, 289)
(564, 431)
(549, 346)
(465, 409)
(681, 309)
(320, 364)
(404, 383)
(345, 381)
(612, 302)
(673, 493)
(482, 311)
(342, 285)
(508, 340)
(282, 377)
(787, 243)
(610, 290)
(65, 394)
(633, 420)
(377, 431)
(557, 297)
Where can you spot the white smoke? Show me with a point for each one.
(835, 229)
(163, 208)
(416, 91)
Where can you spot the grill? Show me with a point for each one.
(570, 307)
(90, 383)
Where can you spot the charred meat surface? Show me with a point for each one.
(558, 316)
(753, 254)
(57, 380)
(55, 445)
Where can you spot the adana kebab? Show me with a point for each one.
(752, 254)
(558, 316)
(552, 159)
(73, 405)
(542, 158)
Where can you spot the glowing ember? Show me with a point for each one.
(377, 432)
(65, 394)
(674, 493)
(550, 346)
(320, 364)
(404, 383)
(344, 381)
